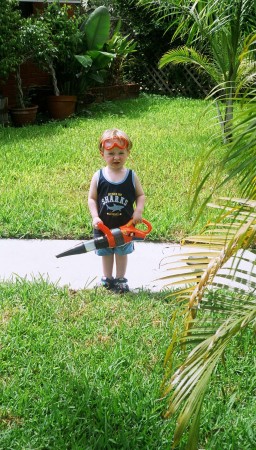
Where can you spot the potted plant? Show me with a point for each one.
(96, 60)
(65, 38)
(28, 40)
(78, 58)
(34, 44)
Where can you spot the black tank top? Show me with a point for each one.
(116, 200)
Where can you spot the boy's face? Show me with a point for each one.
(116, 157)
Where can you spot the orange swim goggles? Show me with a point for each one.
(110, 143)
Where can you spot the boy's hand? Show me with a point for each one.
(137, 217)
(95, 222)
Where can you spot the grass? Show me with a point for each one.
(82, 371)
(229, 411)
(46, 169)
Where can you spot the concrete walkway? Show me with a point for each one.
(35, 258)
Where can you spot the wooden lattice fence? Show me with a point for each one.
(173, 81)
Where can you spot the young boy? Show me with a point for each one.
(113, 192)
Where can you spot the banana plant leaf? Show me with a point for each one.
(97, 28)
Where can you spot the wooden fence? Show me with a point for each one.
(174, 80)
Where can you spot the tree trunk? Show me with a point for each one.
(21, 103)
(54, 79)
(229, 111)
(221, 120)
(228, 122)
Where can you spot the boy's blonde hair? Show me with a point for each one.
(114, 133)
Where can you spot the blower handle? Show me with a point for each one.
(129, 232)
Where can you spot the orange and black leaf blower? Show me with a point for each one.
(112, 238)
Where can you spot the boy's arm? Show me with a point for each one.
(140, 201)
(92, 201)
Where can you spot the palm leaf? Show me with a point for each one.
(219, 257)
(213, 247)
(188, 55)
(190, 382)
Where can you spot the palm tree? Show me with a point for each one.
(237, 162)
(215, 32)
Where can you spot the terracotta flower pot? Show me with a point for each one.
(61, 106)
(23, 116)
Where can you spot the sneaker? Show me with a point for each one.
(107, 283)
(121, 285)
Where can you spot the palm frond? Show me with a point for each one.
(216, 274)
(204, 254)
(189, 383)
(188, 55)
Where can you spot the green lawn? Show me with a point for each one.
(46, 169)
(82, 371)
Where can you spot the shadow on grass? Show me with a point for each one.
(132, 108)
